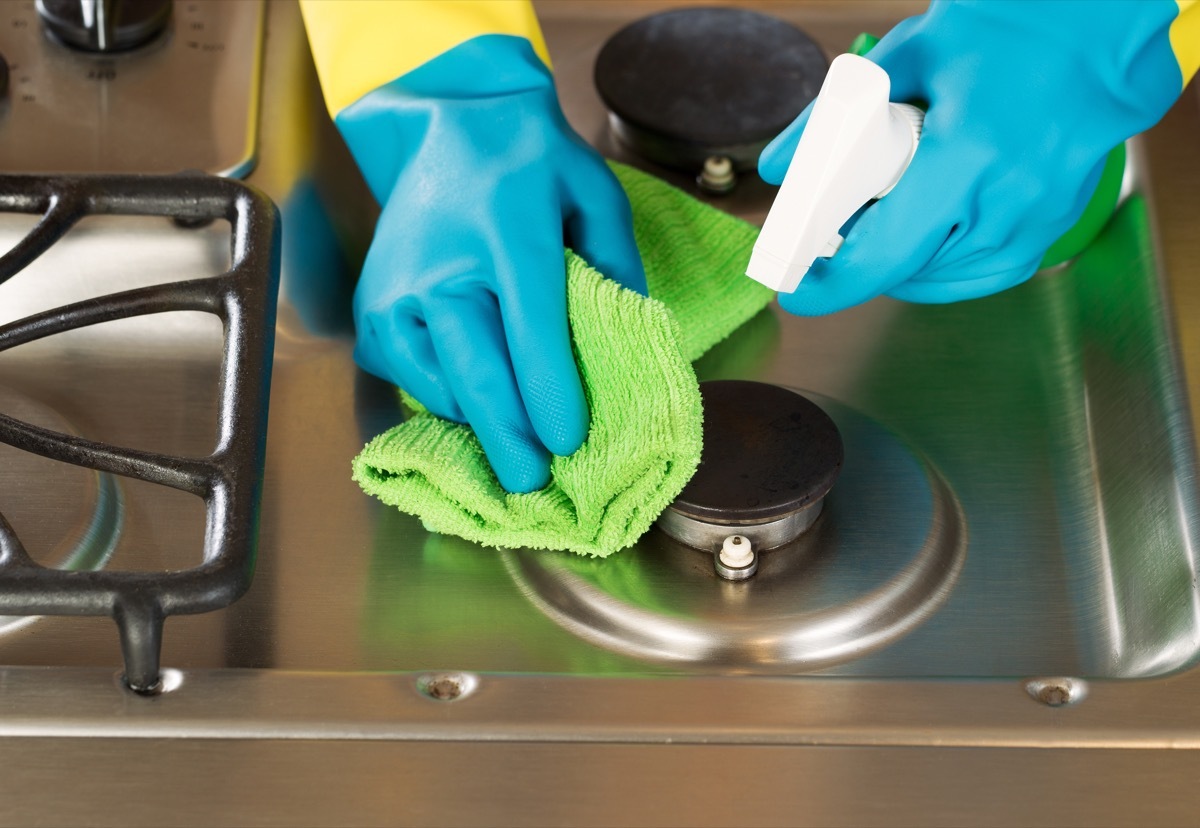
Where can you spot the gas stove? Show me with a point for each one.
(1008, 545)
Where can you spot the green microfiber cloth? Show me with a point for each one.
(634, 356)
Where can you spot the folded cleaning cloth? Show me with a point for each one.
(634, 356)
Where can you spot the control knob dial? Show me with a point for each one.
(105, 25)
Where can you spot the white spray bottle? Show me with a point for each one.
(854, 149)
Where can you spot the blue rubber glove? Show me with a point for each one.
(1025, 100)
(462, 300)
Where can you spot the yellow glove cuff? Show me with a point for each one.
(360, 45)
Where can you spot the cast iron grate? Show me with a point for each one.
(229, 480)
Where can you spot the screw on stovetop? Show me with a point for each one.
(169, 680)
(447, 686)
(1056, 692)
(717, 176)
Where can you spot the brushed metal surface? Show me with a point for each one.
(382, 784)
(1054, 412)
(253, 705)
(186, 101)
(1057, 413)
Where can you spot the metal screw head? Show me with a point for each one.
(447, 686)
(1057, 691)
(169, 680)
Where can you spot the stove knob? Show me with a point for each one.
(105, 25)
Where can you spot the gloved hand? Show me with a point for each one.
(462, 300)
(1024, 103)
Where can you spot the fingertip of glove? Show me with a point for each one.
(516, 453)
(776, 157)
(634, 279)
(802, 306)
(523, 474)
(770, 167)
(817, 300)
(569, 440)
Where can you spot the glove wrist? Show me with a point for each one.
(491, 78)
(488, 66)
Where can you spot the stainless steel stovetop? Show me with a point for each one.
(1021, 468)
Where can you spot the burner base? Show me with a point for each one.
(882, 559)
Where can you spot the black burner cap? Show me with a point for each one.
(690, 83)
(768, 452)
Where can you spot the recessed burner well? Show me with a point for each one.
(882, 559)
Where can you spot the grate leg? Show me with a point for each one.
(141, 628)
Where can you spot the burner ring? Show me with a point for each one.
(686, 85)
(769, 534)
(770, 456)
